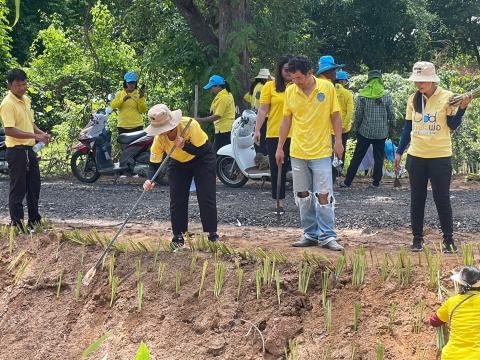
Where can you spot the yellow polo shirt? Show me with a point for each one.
(162, 144)
(130, 111)
(17, 113)
(430, 136)
(275, 99)
(254, 99)
(223, 106)
(311, 119)
(464, 341)
(345, 100)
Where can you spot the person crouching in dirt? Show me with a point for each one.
(429, 122)
(311, 109)
(462, 313)
(192, 158)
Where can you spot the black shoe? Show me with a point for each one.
(178, 242)
(279, 211)
(304, 242)
(213, 237)
(449, 246)
(417, 244)
(342, 185)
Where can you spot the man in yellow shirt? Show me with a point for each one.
(131, 104)
(21, 133)
(345, 100)
(311, 110)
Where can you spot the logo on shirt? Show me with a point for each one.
(321, 97)
(426, 125)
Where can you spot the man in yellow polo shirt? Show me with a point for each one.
(311, 110)
(21, 133)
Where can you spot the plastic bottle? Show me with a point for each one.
(38, 146)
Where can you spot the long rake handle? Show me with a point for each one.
(160, 168)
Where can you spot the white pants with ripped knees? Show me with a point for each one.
(315, 178)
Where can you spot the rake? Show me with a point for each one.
(279, 185)
(91, 273)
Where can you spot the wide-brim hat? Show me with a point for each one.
(263, 74)
(462, 276)
(374, 74)
(424, 71)
(215, 80)
(341, 75)
(326, 63)
(162, 119)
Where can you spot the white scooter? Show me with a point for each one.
(235, 162)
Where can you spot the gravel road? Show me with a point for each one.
(359, 207)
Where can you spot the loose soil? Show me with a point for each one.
(36, 324)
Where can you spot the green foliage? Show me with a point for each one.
(6, 60)
(142, 353)
(95, 345)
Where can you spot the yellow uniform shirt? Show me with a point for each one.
(311, 120)
(17, 113)
(130, 111)
(254, 99)
(464, 341)
(430, 137)
(345, 100)
(223, 106)
(275, 99)
(161, 143)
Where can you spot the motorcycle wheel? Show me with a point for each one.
(229, 173)
(84, 167)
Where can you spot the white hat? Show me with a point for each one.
(263, 74)
(424, 71)
(467, 276)
(162, 119)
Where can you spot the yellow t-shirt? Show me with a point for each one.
(223, 106)
(345, 100)
(162, 144)
(130, 111)
(311, 120)
(464, 341)
(275, 99)
(430, 137)
(254, 99)
(16, 113)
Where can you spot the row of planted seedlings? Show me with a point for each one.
(399, 268)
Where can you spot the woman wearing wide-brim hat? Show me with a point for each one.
(462, 313)
(193, 158)
(429, 121)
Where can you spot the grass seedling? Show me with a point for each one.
(111, 268)
(178, 282)
(94, 346)
(11, 240)
(258, 282)
(326, 352)
(403, 267)
(40, 274)
(417, 317)
(114, 287)
(357, 308)
(193, 263)
(277, 285)
(385, 268)
(354, 352)
(240, 276)
(219, 278)
(467, 254)
(78, 285)
(202, 278)
(304, 274)
(139, 295)
(16, 260)
(440, 336)
(20, 271)
(3, 231)
(392, 315)
(433, 270)
(59, 284)
(266, 269)
(379, 351)
(328, 315)
(291, 353)
(340, 265)
(325, 276)
(138, 270)
(359, 265)
(160, 274)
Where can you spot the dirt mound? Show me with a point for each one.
(40, 319)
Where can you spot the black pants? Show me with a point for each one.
(439, 172)
(125, 130)
(220, 140)
(24, 180)
(361, 148)
(344, 143)
(272, 144)
(202, 170)
(262, 148)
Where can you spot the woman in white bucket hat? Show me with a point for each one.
(193, 158)
(429, 121)
(462, 313)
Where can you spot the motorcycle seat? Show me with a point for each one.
(127, 138)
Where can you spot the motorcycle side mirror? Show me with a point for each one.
(110, 97)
